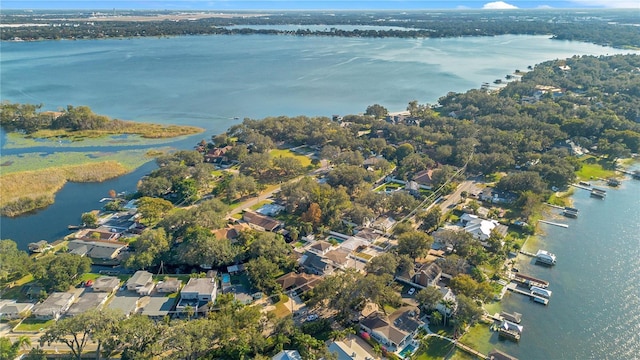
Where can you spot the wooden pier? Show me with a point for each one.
(527, 253)
(529, 280)
(554, 224)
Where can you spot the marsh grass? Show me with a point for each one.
(25, 191)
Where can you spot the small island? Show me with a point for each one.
(30, 179)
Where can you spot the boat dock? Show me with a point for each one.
(529, 280)
(527, 253)
(513, 287)
(554, 224)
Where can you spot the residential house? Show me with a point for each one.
(88, 301)
(368, 234)
(197, 294)
(261, 222)
(396, 330)
(494, 196)
(230, 232)
(14, 310)
(320, 247)
(217, 155)
(339, 258)
(106, 284)
(424, 178)
(447, 297)
(236, 269)
(97, 235)
(125, 301)
(384, 223)
(157, 306)
(170, 285)
(140, 282)
(54, 306)
(97, 250)
(352, 348)
(428, 275)
(298, 282)
(38, 247)
(315, 264)
(481, 228)
(287, 355)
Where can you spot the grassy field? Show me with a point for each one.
(435, 349)
(304, 160)
(34, 325)
(281, 309)
(479, 337)
(594, 168)
(26, 190)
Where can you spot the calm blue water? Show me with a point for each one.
(207, 81)
(594, 312)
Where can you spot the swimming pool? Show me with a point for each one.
(226, 279)
(408, 350)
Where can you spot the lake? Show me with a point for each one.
(208, 81)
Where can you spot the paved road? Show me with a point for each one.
(470, 186)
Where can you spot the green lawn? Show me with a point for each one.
(433, 348)
(34, 325)
(88, 276)
(281, 309)
(260, 204)
(304, 160)
(479, 337)
(593, 168)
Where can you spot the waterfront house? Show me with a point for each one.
(217, 155)
(141, 280)
(38, 247)
(393, 331)
(106, 284)
(88, 301)
(447, 297)
(481, 228)
(261, 222)
(97, 235)
(510, 330)
(514, 318)
(14, 310)
(97, 250)
(287, 355)
(54, 306)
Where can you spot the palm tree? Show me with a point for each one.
(448, 305)
(9, 350)
(436, 317)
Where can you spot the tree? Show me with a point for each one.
(77, 331)
(403, 151)
(59, 272)
(468, 312)
(9, 350)
(89, 219)
(429, 297)
(386, 263)
(255, 164)
(288, 165)
(200, 247)
(141, 337)
(431, 220)
(147, 249)
(35, 354)
(312, 215)
(436, 317)
(186, 190)
(463, 284)
(377, 111)
(154, 186)
(153, 209)
(414, 243)
(14, 263)
(262, 273)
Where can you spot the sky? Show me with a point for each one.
(317, 4)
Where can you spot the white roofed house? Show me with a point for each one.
(14, 310)
(197, 293)
(141, 282)
(107, 284)
(481, 228)
(54, 306)
(395, 331)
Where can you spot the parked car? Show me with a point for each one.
(411, 291)
(312, 317)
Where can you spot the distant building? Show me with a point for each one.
(98, 250)
(14, 310)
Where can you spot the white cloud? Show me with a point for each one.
(498, 5)
(544, 7)
(621, 4)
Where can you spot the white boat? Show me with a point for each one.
(546, 257)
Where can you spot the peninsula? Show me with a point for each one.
(30, 179)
